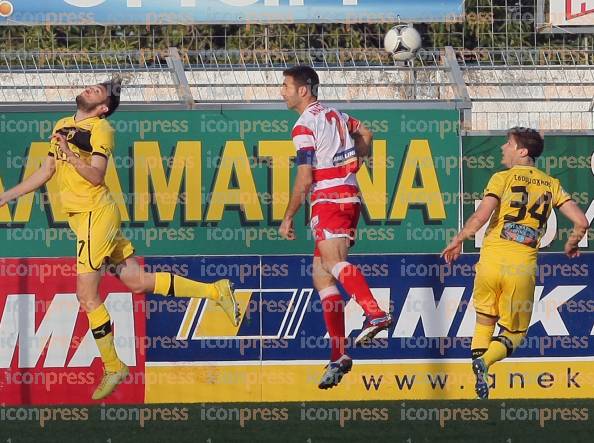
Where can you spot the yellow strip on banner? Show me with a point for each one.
(188, 319)
(214, 321)
(423, 381)
(189, 384)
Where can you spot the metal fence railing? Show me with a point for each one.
(215, 76)
(545, 89)
(41, 77)
(551, 90)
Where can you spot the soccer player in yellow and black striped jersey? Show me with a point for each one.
(79, 151)
(518, 202)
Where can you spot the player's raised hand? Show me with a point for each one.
(287, 229)
(571, 249)
(3, 199)
(452, 251)
(63, 143)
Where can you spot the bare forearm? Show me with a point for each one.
(33, 182)
(472, 225)
(300, 192)
(87, 171)
(580, 223)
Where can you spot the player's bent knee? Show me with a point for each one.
(485, 319)
(511, 340)
(328, 264)
(334, 266)
(135, 281)
(135, 278)
(321, 283)
(135, 284)
(328, 291)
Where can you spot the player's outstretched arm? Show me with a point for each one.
(572, 211)
(94, 173)
(473, 224)
(300, 191)
(33, 182)
(363, 138)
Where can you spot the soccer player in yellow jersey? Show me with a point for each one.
(518, 202)
(78, 156)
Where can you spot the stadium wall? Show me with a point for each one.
(423, 175)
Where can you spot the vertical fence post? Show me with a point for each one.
(178, 75)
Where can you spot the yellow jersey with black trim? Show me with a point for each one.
(526, 198)
(86, 138)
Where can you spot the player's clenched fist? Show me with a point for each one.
(63, 143)
(287, 229)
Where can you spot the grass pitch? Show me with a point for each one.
(506, 421)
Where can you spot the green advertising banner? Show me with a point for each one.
(569, 158)
(217, 182)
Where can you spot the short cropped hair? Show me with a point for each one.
(114, 89)
(529, 139)
(304, 76)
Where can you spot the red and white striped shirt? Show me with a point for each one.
(322, 136)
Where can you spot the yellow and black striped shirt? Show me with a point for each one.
(526, 198)
(92, 136)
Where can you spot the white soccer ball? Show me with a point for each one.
(403, 42)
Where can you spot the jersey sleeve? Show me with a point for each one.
(102, 139)
(53, 146)
(495, 187)
(305, 143)
(560, 196)
(352, 123)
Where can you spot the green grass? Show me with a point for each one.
(390, 421)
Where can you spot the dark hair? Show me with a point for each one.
(114, 89)
(304, 76)
(529, 139)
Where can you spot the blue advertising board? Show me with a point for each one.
(155, 12)
(429, 301)
(281, 346)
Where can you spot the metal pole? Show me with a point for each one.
(178, 75)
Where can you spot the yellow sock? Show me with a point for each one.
(100, 325)
(497, 351)
(171, 284)
(481, 339)
(503, 346)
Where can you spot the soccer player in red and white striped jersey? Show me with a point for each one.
(330, 145)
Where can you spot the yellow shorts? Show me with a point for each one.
(99, 238)
(505, 290)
